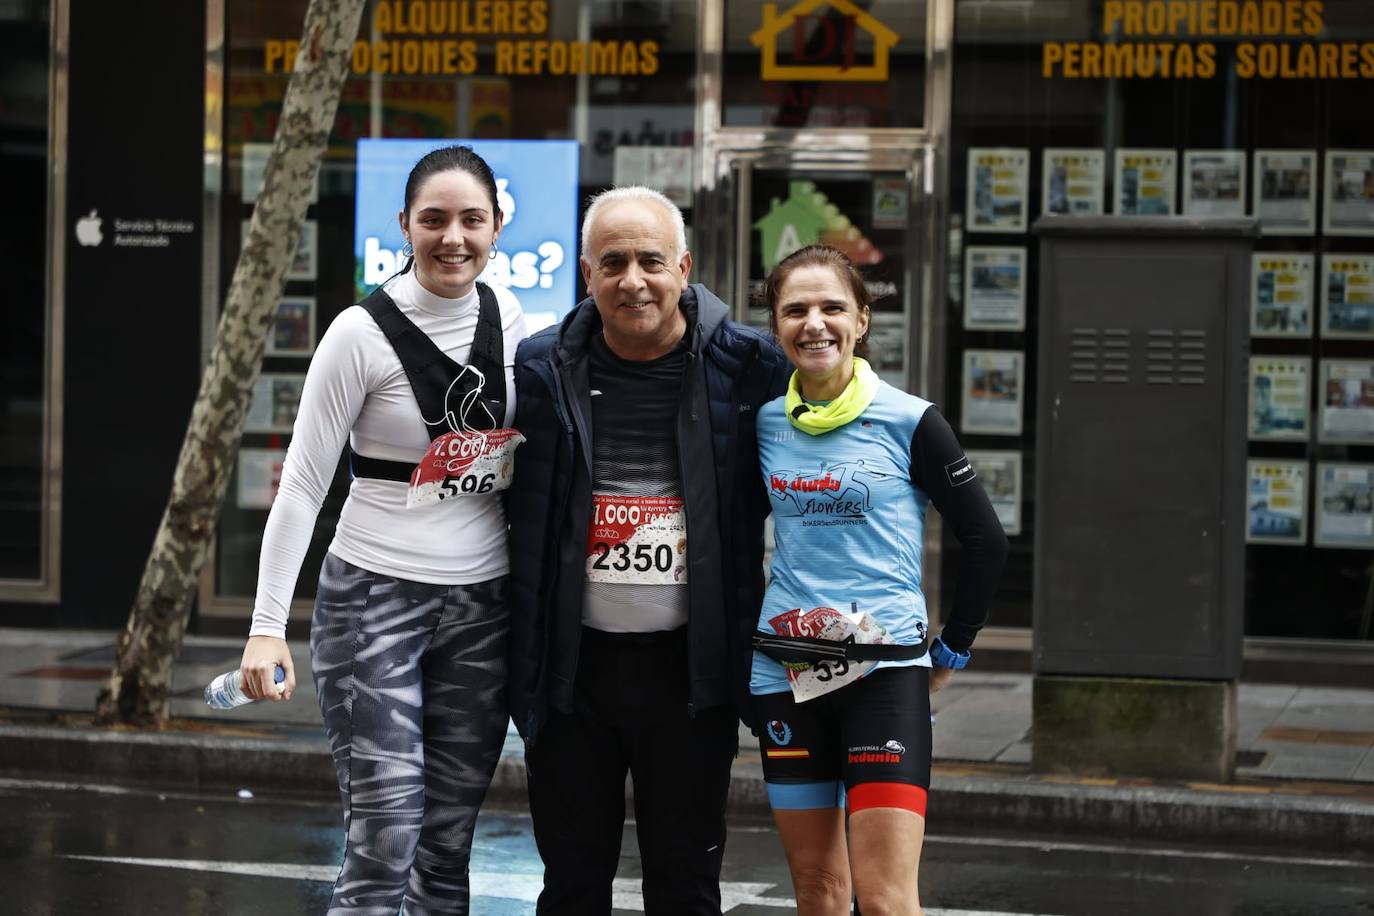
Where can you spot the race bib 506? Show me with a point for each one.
(464, 464)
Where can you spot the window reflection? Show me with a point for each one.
(24, 37)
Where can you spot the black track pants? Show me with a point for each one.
(630, 715)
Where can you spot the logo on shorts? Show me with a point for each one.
(780, 732)
(891, 752)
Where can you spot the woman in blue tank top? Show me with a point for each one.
(842, 673)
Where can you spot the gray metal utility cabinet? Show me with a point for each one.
(1140, 494)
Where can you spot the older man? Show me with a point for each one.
(636, 543)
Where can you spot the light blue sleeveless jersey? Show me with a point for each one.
(848, 522)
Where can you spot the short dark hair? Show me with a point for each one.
(448, 158)
(819, 256)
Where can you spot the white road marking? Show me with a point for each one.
(1157, 851)
(625, 894)
(50, 785)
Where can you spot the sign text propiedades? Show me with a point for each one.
(1172, 39)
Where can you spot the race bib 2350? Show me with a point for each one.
(637, 539)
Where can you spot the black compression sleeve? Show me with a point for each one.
(939, 467)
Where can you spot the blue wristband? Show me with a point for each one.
(946, 657)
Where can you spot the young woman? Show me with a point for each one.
(851, 464)
(409, 637)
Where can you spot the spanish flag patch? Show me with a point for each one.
(787, 753)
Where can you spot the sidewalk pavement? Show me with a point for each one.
(1304, 777)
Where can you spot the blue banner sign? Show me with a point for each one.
(536, 182)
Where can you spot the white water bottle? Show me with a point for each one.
(226, 691)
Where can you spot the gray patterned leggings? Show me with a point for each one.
(412, 683)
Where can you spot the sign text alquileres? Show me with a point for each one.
(441, 37)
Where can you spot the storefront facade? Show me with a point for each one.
(922, 137)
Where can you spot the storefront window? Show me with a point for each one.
(824, 64)
(616, 76)
(1200, 108)
(24, 159)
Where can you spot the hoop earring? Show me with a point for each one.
(491, 253)
(407, 250)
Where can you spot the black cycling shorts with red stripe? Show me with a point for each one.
(866, 745)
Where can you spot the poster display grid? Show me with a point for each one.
(1280, 392)
(1276, 502)
(1280, 294)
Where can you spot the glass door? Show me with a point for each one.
(871, 207)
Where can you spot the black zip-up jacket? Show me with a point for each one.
(732, 371)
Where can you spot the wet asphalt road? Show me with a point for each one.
(93, 850)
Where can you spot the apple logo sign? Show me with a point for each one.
(88, 229)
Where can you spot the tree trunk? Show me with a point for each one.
(138, 690)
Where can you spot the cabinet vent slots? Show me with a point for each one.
(1175, 357)
(1083, 355)
(1100, 355)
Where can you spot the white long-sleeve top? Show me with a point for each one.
(356, 389)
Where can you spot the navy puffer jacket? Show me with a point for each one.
(732, 371)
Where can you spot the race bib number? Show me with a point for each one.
(461, 464)
(809, 681)
(637, 539)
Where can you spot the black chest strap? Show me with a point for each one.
(431, 374)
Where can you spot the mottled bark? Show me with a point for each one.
(139, 685)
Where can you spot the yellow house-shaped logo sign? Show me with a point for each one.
(827, 52)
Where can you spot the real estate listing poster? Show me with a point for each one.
(1344, 505)
(1280, 294)
(1348, 208)
(993, 391)
(1285, 191)
(1280, 391)
(1348, 296)
(276, 399)
(1276, 505)
(997, 182)
(1347, 402)
(1144, 182)
(1071, 182)
(1214, 182)
(1000, 472)
(259, 477)
(293, 327)
(995, 281)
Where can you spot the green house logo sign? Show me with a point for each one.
(807, 217)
